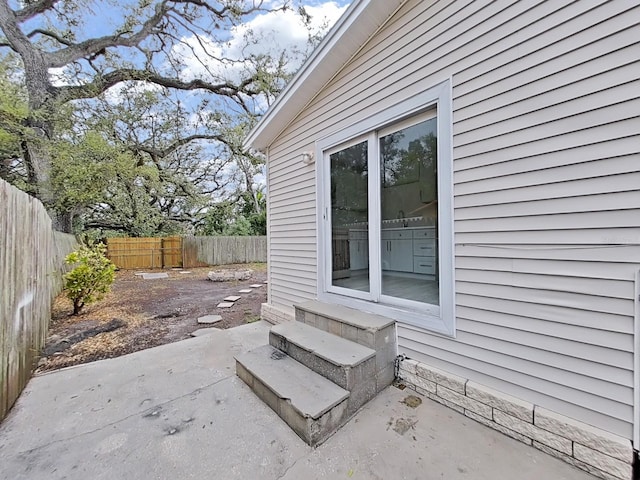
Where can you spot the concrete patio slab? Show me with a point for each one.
(179, 411)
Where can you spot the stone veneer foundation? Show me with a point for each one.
(275, 315)
(600, 453)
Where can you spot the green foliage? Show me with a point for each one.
(91, 278)
(240, 217)
(13, 113)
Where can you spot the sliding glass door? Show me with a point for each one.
(409, 211)
(383, 212)
(349, 175)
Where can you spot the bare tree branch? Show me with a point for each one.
(34, 9)
(165, 152)
(93, 46)
(16, 39)
(48, 33)
(108, 80)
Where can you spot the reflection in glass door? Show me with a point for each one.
(386, 188)
(350, 218)
(409, 212)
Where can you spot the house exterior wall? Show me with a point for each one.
(546, 102)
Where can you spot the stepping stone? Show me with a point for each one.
(245, 290)
(185, 272)
(205, 331)
(232, 298)
(256, 285)
(209, 319)
(140, 274)
(266, 281)
(225, 305)
(153, 276)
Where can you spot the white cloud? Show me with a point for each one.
(62, 77)
(267, 33)
(115, 95)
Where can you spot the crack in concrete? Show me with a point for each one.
(295, 462)
(89, 432)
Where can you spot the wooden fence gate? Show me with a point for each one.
(133, 253)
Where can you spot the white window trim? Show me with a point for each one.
(439, 96)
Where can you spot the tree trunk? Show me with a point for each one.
(42, 100)
(42, 104)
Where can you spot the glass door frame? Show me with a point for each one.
(374, 282)
(395, 127)
(374, 194)
(442, 319)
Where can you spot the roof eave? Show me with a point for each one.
(361, 20)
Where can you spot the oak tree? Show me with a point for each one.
(148, 46)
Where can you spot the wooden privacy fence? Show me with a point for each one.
(133, 253)
(31, 268)
(185, 252)
(201, 251)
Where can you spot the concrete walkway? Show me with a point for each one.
(178, 411)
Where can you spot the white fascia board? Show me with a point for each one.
(361, 20)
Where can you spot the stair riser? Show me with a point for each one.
(346, 377)
(383, 341)
(359, 380)
(312, 431)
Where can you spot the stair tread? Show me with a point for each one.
(310, 394)
(350, 316)
(334, 349)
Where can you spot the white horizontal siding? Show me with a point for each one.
(575, 188)
(617, 344)
(576, 154)
(560, 221)
(574, 98)
(531, 297)
(584, 113)
(590, 203)
(546, 196)
(499, 139)
(596, 321)
(591, 236)
(578, 256)
(597, 287)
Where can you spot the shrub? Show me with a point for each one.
(91, 278)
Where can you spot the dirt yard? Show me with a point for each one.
(139, 314)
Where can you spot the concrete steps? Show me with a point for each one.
(367, 329)
(311, 405)
(317, 372)
(347, 364)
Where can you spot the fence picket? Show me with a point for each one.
(31, 268)
(186, 252)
